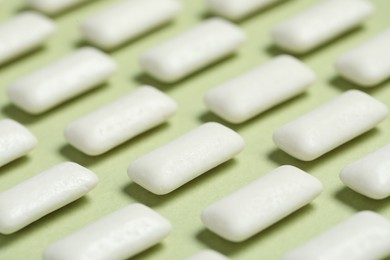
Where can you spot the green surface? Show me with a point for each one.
(183, 207)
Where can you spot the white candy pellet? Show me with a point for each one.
(62, 80)
(260, 89)
(177, 58)
(368, 64)
(23, 33)
(120, 235)
(261, 204)
(43, 194)
(320, 24)
(208, 255)
(364, 236)
(53, 6)
(330, 125)
(238, 9)
(126, 20)
(370, 175)
(185, 158)
(15, 141)
(118, 122)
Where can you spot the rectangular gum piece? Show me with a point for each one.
(368, 64)
(365, 235)
(42, 194)
(330, 125)
(121, 120)
(370, 175)
(62, 80)
(185, 158)
(16, 141)
(118, 236)
(177, 58)
(260, 89)
(261, 203)
(53, 6)
(320, 24)
(238, 9)
(23, 33)
(125, 20)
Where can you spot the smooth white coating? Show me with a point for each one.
(53, 6)
(23, 33)
(320, 24)
(364, 236)
(238, 9)
(368, 64)
(121, 120)
(126, 20)
(261, 204)
(62, 80)
(177, 58)
(118, 236)
(185, 158)
(330, 125)
(208, 255)
(254, 92)
(370, 175)
(15, 141)
(43, 194)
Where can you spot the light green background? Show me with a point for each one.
(183, 207)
